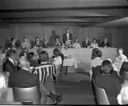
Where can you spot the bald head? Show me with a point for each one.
(24, 62)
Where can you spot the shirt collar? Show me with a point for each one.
(25, 69)
(11, 60)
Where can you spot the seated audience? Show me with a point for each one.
(124, 70)
(26, 44)
(57, 58)
(109, 80)
(45, 43)
(96, 57)
(37, 43)
(95, 60)
(10, 64)
(13, 43)
(120, 58)
(2, 57)
(123, 95)
(23, 77)
(58, 42)
(44, 60)
(105, 43)
(86, 43)
(31, 59)
(94, 43)
(76, 44)
(7, 44)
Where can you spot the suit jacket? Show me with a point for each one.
(65, 37)
(23, 79)
(105, 45)
(84, 44)
(8, 66)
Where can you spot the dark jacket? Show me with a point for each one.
(110, 82)
(22, 78)
(84, 44)
(65, 37)
(105, 45)
(8, 66)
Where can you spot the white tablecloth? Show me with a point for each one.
(82, 56)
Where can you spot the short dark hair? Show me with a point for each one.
(12, 39)
(18, 43)
(106, 67)
(96, 53)
(56, 50)
(44, 59)
(30, 55)
(10, 53)
(124, 66)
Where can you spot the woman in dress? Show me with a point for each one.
(94, 43)
(76, 44)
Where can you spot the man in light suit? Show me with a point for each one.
(67, 38)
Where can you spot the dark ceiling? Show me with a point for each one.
(65, 12)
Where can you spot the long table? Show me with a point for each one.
(83, 55)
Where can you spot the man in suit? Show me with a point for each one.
(23, 77)
(10, 63)
(67, 38)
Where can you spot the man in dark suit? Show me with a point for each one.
(67, 38)
(105, 43)
(23, 77)
(10, 64)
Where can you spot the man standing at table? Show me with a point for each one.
(67, 38)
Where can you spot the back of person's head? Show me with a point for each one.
(123, 95)
(30, 55)
(22, 53)
(106, 67)
(3, 84)
(96, 53)
(10, 53)
(124, 71)
(124, 67)
(18, 44)
(56, 52)
(43, 56)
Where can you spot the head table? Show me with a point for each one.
(80, 57)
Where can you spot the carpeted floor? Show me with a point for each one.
(76, 89)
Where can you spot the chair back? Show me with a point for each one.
(44, 71)
(30, 94)
(101, 96)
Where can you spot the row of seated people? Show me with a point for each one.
(107, 74)
(21, 72)
(13, 43)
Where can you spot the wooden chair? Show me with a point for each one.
(101, 96)
(26, 95)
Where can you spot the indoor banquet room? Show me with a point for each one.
(63, 52)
